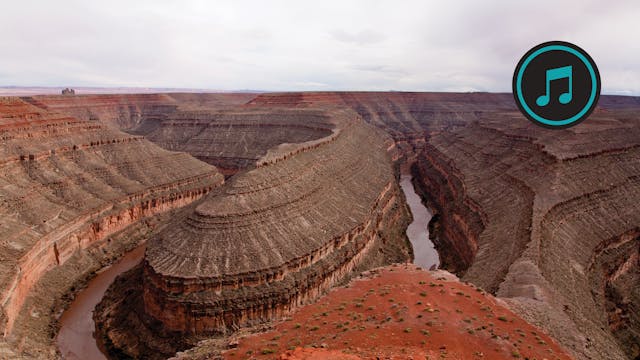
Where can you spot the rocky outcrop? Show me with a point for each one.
(66, 184)
(274, 237)
(395, 312)
(526, 213)
(234, 139)
(539, 209)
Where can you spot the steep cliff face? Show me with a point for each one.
(545, 219)
(234, 139)
(458, 219)
(129, 111)
(66, 184)
(275, 237)
(552, 218)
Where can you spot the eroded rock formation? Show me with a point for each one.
(277, 236)
(67, 183)
(235, 139)
(274, 237)
(547, 207)
(546, 220)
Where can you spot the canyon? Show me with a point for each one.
(272, 239)
(546, 221)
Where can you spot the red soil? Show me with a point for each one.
(402, 312)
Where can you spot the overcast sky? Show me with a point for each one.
(303, 45)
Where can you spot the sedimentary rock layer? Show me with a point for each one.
(276, 236)
(546, 219)
(214, 128)
(236, 138)
(549, 218)
(68, 183)
(128, 111)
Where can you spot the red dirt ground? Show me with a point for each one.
(402, 312)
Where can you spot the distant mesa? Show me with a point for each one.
(68, 91)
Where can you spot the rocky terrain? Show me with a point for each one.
(273, 238)
(547, 221)
(66, 185)
(210, 127)
(398, 312)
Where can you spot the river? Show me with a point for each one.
(425, 254)
(75, 338)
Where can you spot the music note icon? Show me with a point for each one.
(557, 74)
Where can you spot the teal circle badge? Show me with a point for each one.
(556, 85)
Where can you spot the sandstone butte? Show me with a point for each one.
(547, 221)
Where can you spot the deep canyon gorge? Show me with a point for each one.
(253, 206)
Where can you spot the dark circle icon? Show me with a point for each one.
(556, 85)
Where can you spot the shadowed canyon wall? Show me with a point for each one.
(546, 205)
(210, 127)
(67, 184)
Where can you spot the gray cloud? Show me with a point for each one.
(384, 69)
(363, 37)
(290, 45)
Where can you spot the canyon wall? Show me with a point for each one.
(214, 128)
(274, 237)
(545, 219)
(234, 139)
(68, 183)
(129, 111)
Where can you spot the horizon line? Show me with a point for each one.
(5, 90)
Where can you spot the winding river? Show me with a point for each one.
(75, 338)
(425, 254)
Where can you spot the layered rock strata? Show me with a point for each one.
(234, 139)
(67, 183)
(129, 111)
(545, 219)
(214, 128)
(274, 237)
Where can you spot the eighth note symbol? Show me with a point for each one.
(557, 74)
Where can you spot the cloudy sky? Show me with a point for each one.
(303, 45)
